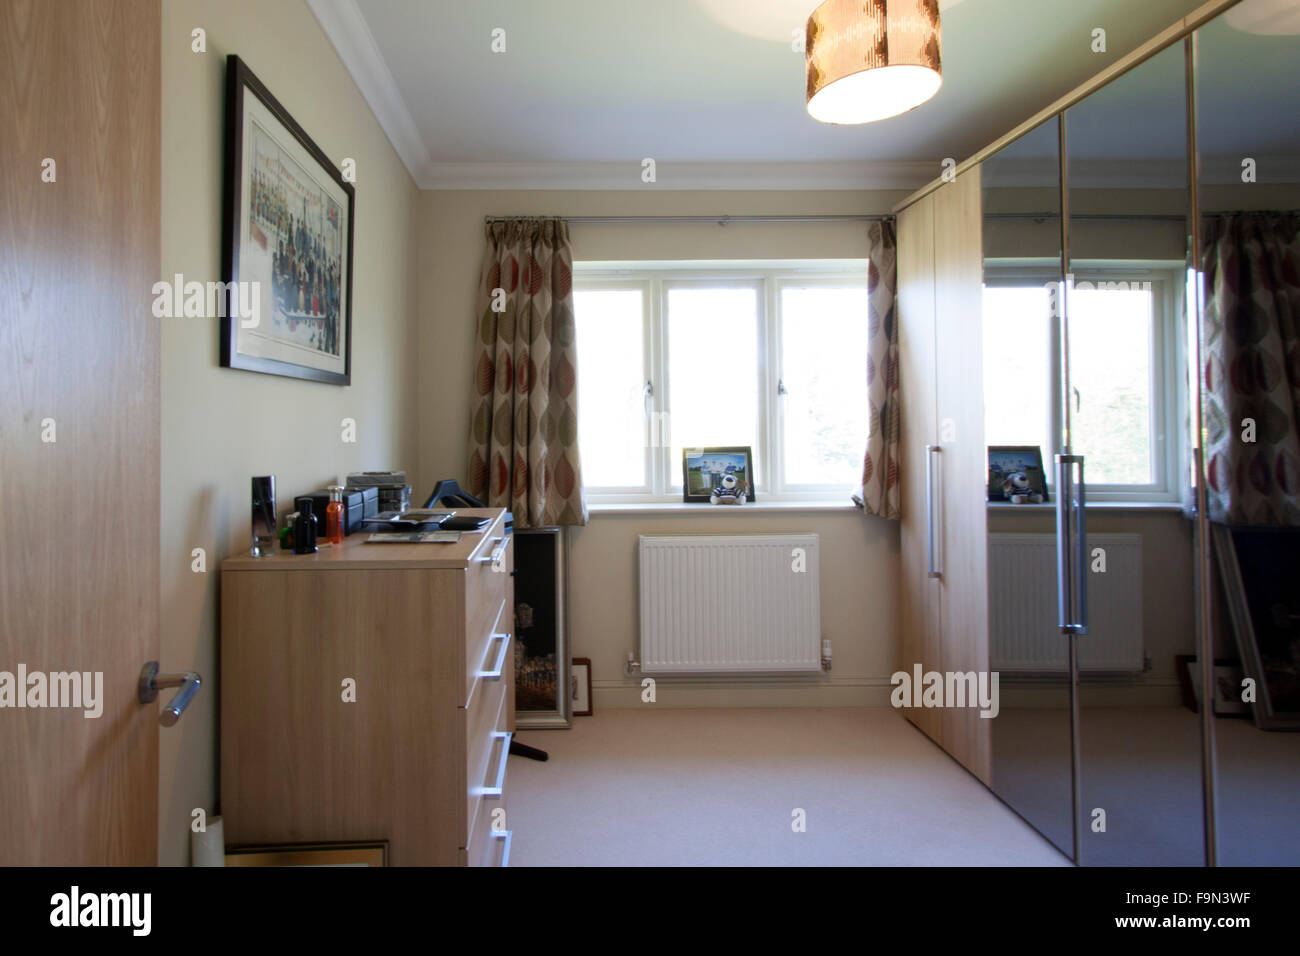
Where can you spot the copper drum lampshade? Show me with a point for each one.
(871, 59)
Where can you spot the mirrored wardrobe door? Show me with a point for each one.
(1031, 735)
(1127, 236)
(1248, 193)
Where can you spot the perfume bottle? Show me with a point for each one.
(334, 515)
(304, 529)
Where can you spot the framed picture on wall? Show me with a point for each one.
(703, 471)
(286, 306)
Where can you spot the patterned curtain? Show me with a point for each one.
(879, 490)
(523, 435)
(1252, 367)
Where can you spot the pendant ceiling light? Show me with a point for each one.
(871, 59)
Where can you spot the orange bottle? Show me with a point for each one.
(334, 515)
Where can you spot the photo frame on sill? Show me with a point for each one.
(703, 471)
(1006, 462)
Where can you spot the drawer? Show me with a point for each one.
(488, 846)
(486, 592)
(487, 747)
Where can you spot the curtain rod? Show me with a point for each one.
(720, 220)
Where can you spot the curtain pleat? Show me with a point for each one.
(1251, 350)
(523, 433)
(879, 491)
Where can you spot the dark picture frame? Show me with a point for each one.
(580, 683)
(541, 641)
(1001, 459)
(695, 492)
(288, 217)
(1258, 567)
(1227, 679)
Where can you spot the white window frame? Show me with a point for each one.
(663, 476)
(1168, 403)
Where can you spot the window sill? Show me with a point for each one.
(681, 507)
(1006, 506)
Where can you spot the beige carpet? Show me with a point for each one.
(717, 787)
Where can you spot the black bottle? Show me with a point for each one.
(304, 528)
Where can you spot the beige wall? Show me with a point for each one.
(859, 556)
(221, 426)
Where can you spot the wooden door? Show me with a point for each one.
(962, 462)
(79, 426)
(919, 611)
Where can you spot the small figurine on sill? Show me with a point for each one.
(1015, 487)
(727, 493)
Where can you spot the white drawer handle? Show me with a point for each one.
(505, 836)
(497, 557)
(499, 667)
(498, 788)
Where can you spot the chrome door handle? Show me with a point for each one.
(932, 569)
(1071, 546)
(151, 682)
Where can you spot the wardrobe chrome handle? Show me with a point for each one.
(500, 666)
(1071, 546)
(932, 568)
(1081, 559)
(499, 787)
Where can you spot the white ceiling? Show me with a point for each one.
(710, 89)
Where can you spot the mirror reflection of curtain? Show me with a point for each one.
(1252, 367)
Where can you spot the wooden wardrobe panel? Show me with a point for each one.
(958, 256)
(919, 611)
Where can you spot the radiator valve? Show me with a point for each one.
(826, 655)
(631, 665)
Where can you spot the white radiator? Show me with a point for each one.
(730, 603)
(1023, 636)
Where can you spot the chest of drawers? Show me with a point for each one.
(367, 693)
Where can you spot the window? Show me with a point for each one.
(1124, 353)
(688, 355)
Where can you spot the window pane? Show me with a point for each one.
(1110, 377)
(824, 370)
(611, 375)
(712, 371)
(1017, 367)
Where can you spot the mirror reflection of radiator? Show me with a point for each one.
(726, 604)
(1023, 636)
